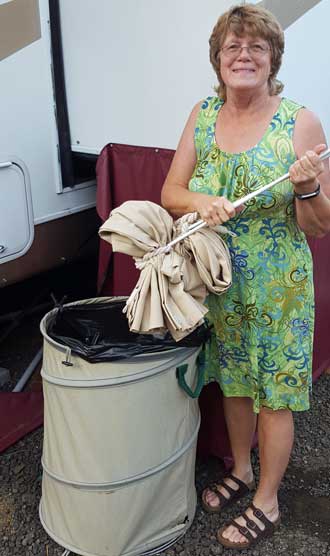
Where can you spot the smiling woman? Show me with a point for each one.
(261, 349)
(264, 34)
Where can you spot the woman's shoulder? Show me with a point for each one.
(309, 126)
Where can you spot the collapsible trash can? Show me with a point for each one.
(119, 448)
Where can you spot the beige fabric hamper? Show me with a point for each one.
(119, 450)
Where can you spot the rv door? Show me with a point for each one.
(16, 223)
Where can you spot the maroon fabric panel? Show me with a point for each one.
(124, 173)
(213, 436)
(20, 413)
(321, 257)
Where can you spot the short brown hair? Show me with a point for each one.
(257, 22)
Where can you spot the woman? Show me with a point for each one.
(261, 352)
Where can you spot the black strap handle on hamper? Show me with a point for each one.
(180, 374)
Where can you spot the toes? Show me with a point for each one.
(211, 499)
(231, 534)
(227, 534)
(236, 537)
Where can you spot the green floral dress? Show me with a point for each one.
(263, 325)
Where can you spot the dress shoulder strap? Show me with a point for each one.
(205, 123)
(285, 118)
(290, 107)
(277, 143)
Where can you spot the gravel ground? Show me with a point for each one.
(304, 496)
(304, 493)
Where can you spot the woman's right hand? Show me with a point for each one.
(214, 210)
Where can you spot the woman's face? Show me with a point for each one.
(245, 62)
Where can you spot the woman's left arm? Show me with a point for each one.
(308, 173)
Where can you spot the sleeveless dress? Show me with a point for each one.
(262, 335)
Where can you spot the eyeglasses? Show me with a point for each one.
(256, 51)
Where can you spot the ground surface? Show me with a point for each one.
(304, 494)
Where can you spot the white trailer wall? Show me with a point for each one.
(29, 131)
(305, 71)
(135, 68)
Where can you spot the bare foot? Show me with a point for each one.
(232, 534)
(210, 498)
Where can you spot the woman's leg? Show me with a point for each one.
(241, 425)
(275, 436)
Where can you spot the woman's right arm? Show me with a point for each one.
(176, 198)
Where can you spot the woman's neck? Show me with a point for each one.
(241, 102)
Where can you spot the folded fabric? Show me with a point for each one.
(172, 287)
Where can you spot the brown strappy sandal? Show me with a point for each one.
(251, 525)
(234, 494)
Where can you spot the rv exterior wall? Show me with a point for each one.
(135, 69)
(55, 244)
(28, 122)
(30, 181)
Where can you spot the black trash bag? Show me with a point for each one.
(99, 332)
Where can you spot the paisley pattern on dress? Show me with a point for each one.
(261, 346)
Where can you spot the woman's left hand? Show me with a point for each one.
(305, 170)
